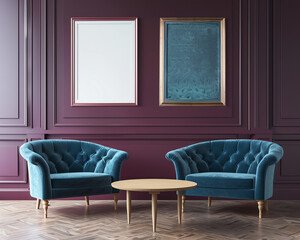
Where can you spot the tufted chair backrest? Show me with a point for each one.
(241, 156)
(72, 156)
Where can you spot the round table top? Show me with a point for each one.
(153, 185)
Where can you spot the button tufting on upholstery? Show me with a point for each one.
(229, 156)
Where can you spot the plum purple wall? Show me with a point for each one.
(261, 90)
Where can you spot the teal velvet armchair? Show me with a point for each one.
(242, 169)
(70, 168)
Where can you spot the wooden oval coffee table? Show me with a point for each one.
(154, 187)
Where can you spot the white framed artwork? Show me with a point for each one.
(104, 62)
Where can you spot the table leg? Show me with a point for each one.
(179, 205)
(154, 210)
(128, 205)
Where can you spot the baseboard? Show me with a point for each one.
(282, 193)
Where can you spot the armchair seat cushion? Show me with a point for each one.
(223, 180)
(80, 180)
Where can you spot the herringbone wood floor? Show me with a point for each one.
(224, 220)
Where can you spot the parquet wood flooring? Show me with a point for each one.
(223, 220)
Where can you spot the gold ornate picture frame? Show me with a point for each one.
(192, 62)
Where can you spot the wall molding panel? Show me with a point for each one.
(288, 168)
(39, 115)
(148, 113)
(286, 65)
(16, 170)
(14, 63)
(259, 69)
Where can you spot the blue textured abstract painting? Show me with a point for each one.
(192, 61)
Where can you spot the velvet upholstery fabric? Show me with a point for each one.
(221, 192)
(79, 179)
(222, 180)
(70, 168)
(228, 168)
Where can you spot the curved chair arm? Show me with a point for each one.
(265, 173)
(113, 166)
(39, 174)
(32, 157)
(178, 157)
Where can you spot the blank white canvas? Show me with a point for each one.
(105, 62)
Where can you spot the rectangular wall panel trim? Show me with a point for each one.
(15, 167)
(17, 104)
(286, 68)
(148, 113)
(288, 170)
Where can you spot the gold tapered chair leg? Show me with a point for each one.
(116, 198)
(38, 203)
(45, 206)
(183, 202)
(266, 205)
(209, 201)
(260, 208)
(87, 200)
